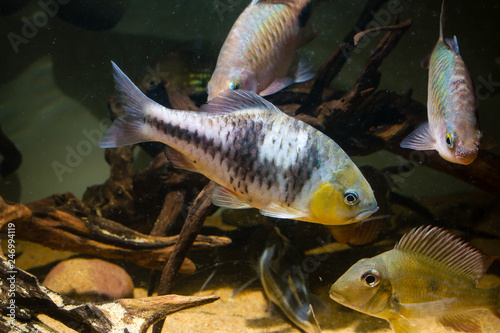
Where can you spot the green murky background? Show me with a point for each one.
(57, 84)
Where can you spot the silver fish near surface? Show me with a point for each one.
(452, 129)
(430, 274)
(285, 285)
(260, 48)
(259, 156)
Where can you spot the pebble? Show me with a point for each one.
(93, 280)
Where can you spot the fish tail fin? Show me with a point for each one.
(128, 128)
(443, 17)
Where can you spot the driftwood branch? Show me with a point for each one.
(172, 206)
(23, 299)
(338, 58)
(61, 222)
(340, 113)
(192, 227)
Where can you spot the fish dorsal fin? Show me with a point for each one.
(461, 323)
(447, 249)
(237, 100)
(222, 197)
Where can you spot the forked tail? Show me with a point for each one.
(129, 128)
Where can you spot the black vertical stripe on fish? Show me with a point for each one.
(305, 14)
(297, 174)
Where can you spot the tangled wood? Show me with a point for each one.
(21, 292)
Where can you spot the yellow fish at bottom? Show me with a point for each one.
(429, 274)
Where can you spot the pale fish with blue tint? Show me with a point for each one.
(260, 49)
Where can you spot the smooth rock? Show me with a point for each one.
(90, 280)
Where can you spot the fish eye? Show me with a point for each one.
(371, 277)
(351, 198)
(234, 85)
(449, 140)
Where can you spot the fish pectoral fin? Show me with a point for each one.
(179, 160)
(486, 141)
(453, 44)
(420, 139)
(276, 86)
(461, 322)
(403, 325)
(283, 212)
(222, 197)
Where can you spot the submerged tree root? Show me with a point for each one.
(23, 300)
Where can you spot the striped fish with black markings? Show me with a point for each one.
(452, 129)
(259, 51)
(259, 156)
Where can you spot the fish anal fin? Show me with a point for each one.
(304, 72)
(223, 197)
(276, 86)
(420, 139)
(179, 160)
(461, 323)
(282, 212)
(402, 325)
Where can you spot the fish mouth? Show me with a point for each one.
(363, 215)
(337, 297)
(466, 160)
(466, 155)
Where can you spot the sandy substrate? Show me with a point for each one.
(248, 312)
